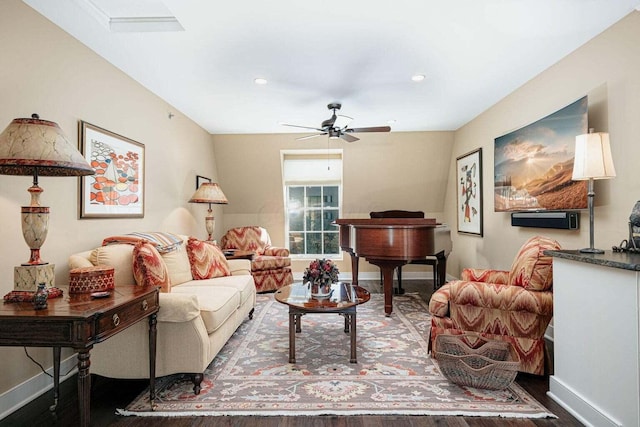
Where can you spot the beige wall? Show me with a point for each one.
(608, 70)
(45, 70)
(403, 170)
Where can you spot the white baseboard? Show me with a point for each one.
(578, 406)
(18, 396)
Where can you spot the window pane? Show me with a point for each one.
(330, 215)
(314, 197)
(330, 198)
(296, 198)
(314, 243)
(296, 243)
(296, 220)
(314, 220)
(331, 243)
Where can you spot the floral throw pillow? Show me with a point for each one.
(148, 267)
(207, 260)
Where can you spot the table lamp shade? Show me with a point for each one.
(592, 161)
(211, 193)
(35, 146)
(593, 157)
(31, 146)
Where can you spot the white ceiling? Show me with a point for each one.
(359, 52)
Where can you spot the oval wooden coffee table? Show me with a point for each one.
(343, 300)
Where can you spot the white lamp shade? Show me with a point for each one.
(593, 157)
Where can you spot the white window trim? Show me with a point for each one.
(320, 153)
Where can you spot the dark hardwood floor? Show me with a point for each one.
(110, 394)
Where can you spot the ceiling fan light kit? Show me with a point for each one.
(336, 126)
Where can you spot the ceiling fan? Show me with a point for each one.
(337, 126)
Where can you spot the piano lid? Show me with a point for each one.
(381, 222)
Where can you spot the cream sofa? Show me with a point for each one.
(195, 320)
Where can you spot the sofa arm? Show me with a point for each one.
(276, 251)
(176, 308)
(239, 267)
(79, 261)
(439, 302)
(500, 297)
(485, 275)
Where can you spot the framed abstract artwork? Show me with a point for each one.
(117, 188)
(469, 184)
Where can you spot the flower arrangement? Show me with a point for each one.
(321, 272)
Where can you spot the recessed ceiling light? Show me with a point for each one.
(260, 81)
(418, 77)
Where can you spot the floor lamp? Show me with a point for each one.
(211, 193)
(592, 161)
(35, 147)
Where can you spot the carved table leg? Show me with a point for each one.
(56, 378)
(298, 323)
(352, 322)
(153, 333)
(293, 320)
(84, 386)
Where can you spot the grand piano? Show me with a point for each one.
(392, 242)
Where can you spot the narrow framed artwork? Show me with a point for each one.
(201, 179)
(469, 184)
(117, 188)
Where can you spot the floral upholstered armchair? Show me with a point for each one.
(271, 267)
(514, 306)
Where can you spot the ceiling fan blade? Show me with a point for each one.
(329, 122)
(342, 122)
(302, 127)
(310, 136)
(349, 138)
(371, 129)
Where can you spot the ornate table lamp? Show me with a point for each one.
(211, 193)
(592, 161)
(31, 146)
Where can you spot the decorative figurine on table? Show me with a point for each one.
(40, 297)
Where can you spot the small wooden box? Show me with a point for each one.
(91, 279)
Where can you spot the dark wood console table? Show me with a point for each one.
(80, 321)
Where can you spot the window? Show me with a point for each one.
(313, 194)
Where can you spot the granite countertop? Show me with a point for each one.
(623, 260)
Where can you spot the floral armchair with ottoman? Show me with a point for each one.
(271, 266)
(514, 306)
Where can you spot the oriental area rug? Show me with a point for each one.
(394, 374)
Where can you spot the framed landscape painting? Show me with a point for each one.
(117, 188)
(469, 180)
(533, 165)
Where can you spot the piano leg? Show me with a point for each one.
(387, 267)
(441, 268)
(354, 268)
(399, 290)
